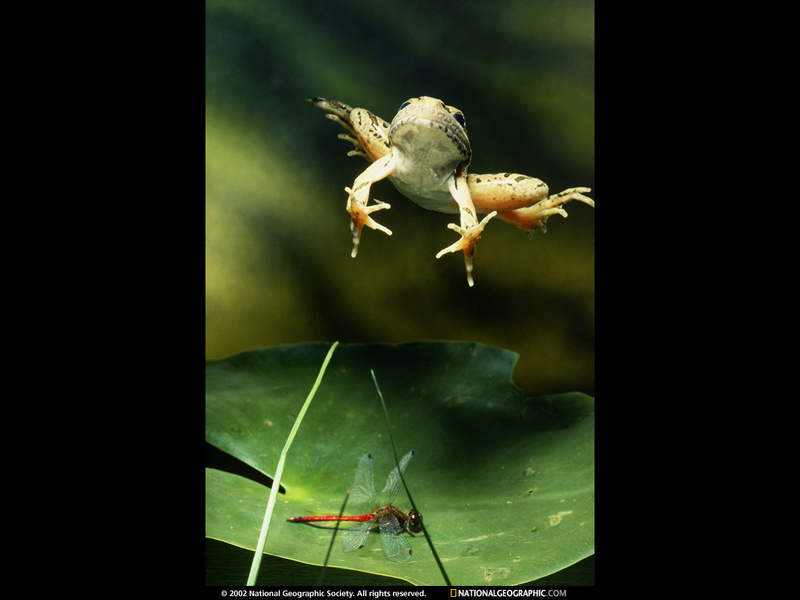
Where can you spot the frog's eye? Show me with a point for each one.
(404, 104)
(460, 118)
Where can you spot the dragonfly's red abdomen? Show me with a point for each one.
(330, 518)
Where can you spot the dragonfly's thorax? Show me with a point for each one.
(389, 510)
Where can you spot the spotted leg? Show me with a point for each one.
(470, 229)
(536, 215)
(358, 198)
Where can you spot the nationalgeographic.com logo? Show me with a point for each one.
(507, 593)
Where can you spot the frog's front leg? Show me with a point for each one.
(470, 228)
(358, 198)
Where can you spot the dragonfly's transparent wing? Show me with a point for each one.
(395, 545)
(393, 481)
(362, 494)
(355, 537)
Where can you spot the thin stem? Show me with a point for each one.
(402, 479)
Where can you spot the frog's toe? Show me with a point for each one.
(467, 245)
(359, 217)
(469, 238)
(536, 215)
(572, 194)
(357, 224)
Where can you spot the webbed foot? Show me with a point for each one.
(469, 237)
(536, 215)
(359, 216)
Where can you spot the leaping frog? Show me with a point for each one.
(425, 153)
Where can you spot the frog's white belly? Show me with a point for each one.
(425, 156)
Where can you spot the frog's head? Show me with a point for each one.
(430, 117)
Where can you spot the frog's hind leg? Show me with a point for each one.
(339, 112)
(531, 217)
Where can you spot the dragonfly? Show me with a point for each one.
(390, 521)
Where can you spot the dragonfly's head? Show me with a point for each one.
(414, 521)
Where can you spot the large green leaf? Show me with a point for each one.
(505, 483)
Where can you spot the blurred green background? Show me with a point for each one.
(277, 239)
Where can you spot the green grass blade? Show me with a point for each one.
(276, 483)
